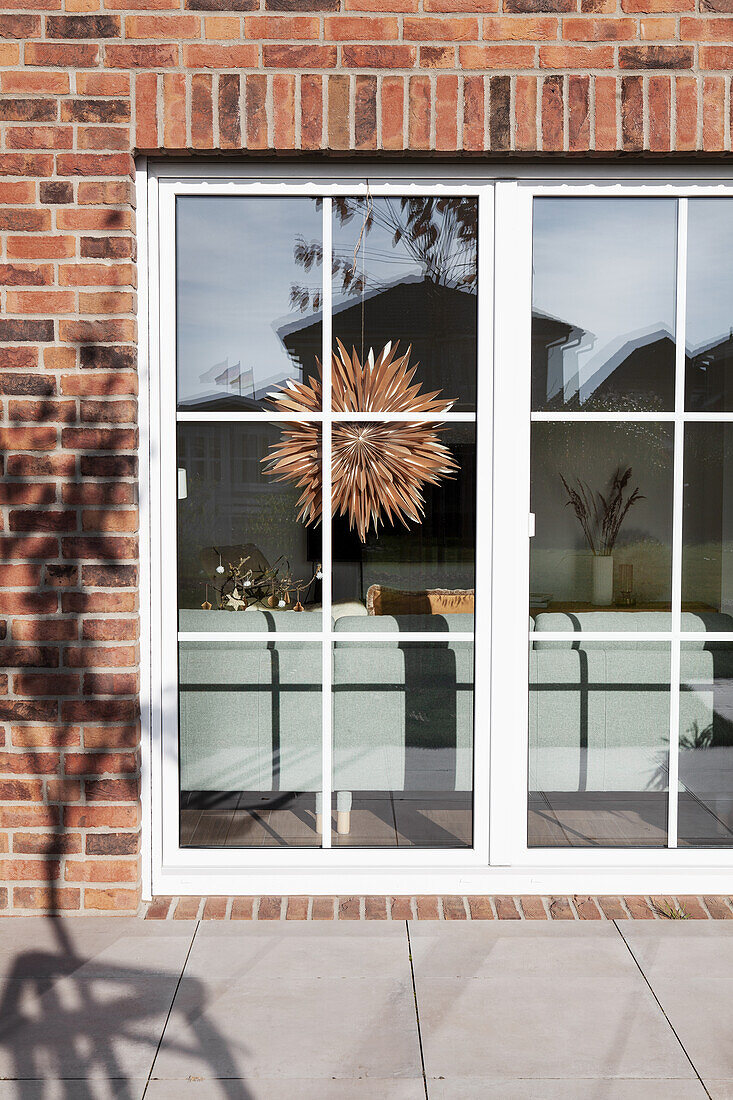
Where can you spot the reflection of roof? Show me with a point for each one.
(288, 326)
(573, 332)
(617, 352)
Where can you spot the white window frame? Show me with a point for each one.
(178, 864)
(506, 866)
(513, 303)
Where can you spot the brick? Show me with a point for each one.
(420, 29)
(375, 908)
(162, 26)
(718, 908)
(146, 108)
(499, 113)
(692, 906)
(635, 7)
(378, 57)
(639, 908)
(227, 27)
(365, 112)
(632, 113)
(473, 113)
(578, 113)
(158, 909)
(355, 28)
(586, 908)
(437, 57)
(26, 274)
(48, 844)
(552, 114)
(508, 28)
(655, 57)
(29, 82)
(446, 112)
(116, 899)
(480, 908)
(20, 26)
(284, 108)
(297, 908)
(713, 113)
(256, 111)
(230, 134)
(33, 737)
(454, 908)
(215, 909)
(393, 107)
(41, 247)
(686, 113)
(349, 908)
(205, 56)
(525, 108)
(311, 106)
(521, 6)
(599, 30)
(512, 56)
(401, 908)
(62, 55)
(242, 909)
(159, 56)
(323, 908)
(576, 57)
(28, 110)
(50, 898)
(560, 909)
(202, 117)
(83, 26)
(40, 137)
(302, 5)
(174, 111)
(506, 908)
(660, 113)
(532, 908)
(26, 164)
(338, 112)
(103, 83)
(420, 95)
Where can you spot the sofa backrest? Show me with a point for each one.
(628, 621)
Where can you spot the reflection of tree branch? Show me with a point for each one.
(440, 235)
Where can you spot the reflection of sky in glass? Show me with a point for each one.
(606, 266)
(235, 271)
(709, 271)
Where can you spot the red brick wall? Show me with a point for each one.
(86, 83)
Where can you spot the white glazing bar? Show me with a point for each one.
(326, 583)
(678, 493)
(317, 417)
(361, 637)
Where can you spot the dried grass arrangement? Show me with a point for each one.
(601, 517)
(378, 469)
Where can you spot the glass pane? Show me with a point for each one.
(247, 270)
(588, 555)
(418, 557)
(706, 745)
(406, 273)
(402, 743)
(707, 525)
(598, 744)
(250, 744)
(241, 545)
(603, 304)
(709, 335)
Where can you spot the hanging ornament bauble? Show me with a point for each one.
(378, 469)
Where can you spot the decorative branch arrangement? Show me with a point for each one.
(378, 469)
(274, 586)
(601, 517)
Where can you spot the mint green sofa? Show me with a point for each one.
(250, 711)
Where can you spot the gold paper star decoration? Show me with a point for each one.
(378, 469)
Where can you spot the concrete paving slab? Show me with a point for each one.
(302, 1027)
(91, 946)
(313, 1088)
(482, 1088)
(562, 1002)
(79, 1089)
(689, 965)
(719, 1090)
(264, 951)
(101, 1028)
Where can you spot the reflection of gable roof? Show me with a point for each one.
(286, 327)
(614, 354)
(548, 323)
(709, 347)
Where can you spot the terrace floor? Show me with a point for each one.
(396, 1010)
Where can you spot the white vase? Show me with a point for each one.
(602, 580)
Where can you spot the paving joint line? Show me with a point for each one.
(417, 1010)
(661, 1009)
(170, 1009)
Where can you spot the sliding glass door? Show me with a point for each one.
(624, 300)
(324, 474)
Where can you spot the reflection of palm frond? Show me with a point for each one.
(697, 738)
